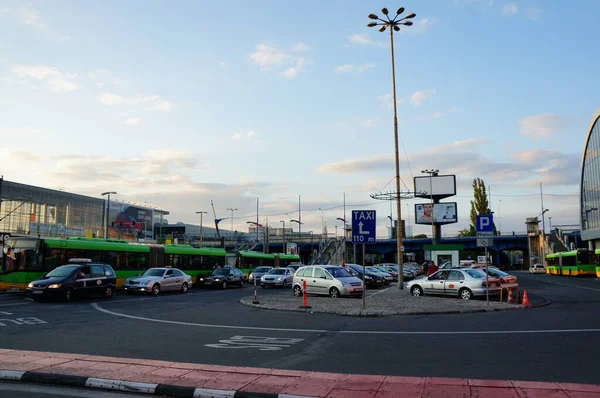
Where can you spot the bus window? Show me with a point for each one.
(20, 254)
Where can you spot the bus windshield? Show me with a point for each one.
(20, 254)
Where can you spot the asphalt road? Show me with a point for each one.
(553, 343)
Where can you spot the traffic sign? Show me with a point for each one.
(485, 223)
(363, 226)
(531, 256)
(486, 234)
(484, 242)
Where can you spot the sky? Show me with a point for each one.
(178, 104)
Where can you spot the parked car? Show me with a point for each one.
(326, 280)
(378, 270)
(537, 269)
(67, 282)
(278, 277)
(295, 266)
(371, 279)
(506, 280)
(389, 270)
(156, 280)
(257, 273)
(224, 277)
(465, 283)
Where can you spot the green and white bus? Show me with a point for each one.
(246, 261)
(572, 263)
(27, 258)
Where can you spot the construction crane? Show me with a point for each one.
(217, 220)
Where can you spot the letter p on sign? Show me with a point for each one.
(485, 223)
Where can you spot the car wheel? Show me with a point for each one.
(68, 294)
(284, 284)
(465, 294)
(108, 292)
(184, 287)
(155, 289)
(416, 291)
(224, 285)
(297, 291)
(241, 283)
(334, 292)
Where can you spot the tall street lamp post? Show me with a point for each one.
(107, 211)
(343, 240)
(231, 209)
(283, 236)
(201, 213)
(394, 25)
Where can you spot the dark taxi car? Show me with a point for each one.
(223, 277)
(75, 280)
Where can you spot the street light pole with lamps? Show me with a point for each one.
(343, 240)
(393, 25)
(107, 211)
(231, 210)
(283, 236)
(201, 213)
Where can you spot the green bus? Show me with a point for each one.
(572, 263)
(27, 258)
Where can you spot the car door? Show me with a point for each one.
(82, 281)
(320, 281)
(178, 278)
(168, 282)
(453, 283)
(289, 276)
(307, 276)
(435, 283)
(98, 280)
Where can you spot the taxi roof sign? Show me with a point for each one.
(80, 260)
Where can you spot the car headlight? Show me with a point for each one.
(368, 278)
(216, 279)
(54, 286)
(345, 284)
(251, 276)
(201, 279)
(30, 285)
(280, 279)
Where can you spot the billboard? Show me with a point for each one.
(291, 248)
(437, 186)
(443, 213)
(128, 221)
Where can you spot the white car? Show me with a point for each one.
(278, 277)
(537, 269)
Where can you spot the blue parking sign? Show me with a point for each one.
(485, 223)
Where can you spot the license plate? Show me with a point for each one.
(38, 291)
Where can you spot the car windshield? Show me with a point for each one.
(262, 269)
(277, 271)
(220, 271)
(154, 272)
(338, 272)
(64, 270)
(475, 274)
(497, 272)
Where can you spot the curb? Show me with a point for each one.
(165, 390)
(374, 314)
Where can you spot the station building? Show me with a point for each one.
(590, 185)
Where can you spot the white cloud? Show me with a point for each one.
(56, 80)
(363, 39)
(243, 136)
(533, 13)
(152, 103)
(510, 9)
(300, 47)
(133, 121)
(31, 16)
(421, 25)
(542, 125)
(438, 115)
(270, 58)
(351, 68)
(418, 97)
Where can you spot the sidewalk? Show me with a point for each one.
(197, 380)
(382, 302)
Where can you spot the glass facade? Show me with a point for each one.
(590, 182)
(29, 210)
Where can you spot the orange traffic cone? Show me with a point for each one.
(510, 297)
(526, 302)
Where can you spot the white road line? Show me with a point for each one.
(465, 332)
(575, 286)
(374, 294)
(8, 305)
(28, 299)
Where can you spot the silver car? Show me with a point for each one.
(326, 280)
(464, 283)
(278, 277)
(257, 273)
(156, 280)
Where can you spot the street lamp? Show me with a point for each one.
(391, 227)
(344, 239)
(107, 211)
(283, 236)
(201, 213)
(431, 173)
(393, 25)
(299, 224)
(232, 210)
(256, 225)
(543, 220)
(322, 223)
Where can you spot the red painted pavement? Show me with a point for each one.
(296, 382)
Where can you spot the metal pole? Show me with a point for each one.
(487, 280)
(161, 221)
(364, 276)
(431, 196)
(397, 156)
(107, 211)
(257, 221)
(283, 238)
(200, 229)
(299, 224)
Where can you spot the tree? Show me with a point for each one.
(419, 236)
(479, 205)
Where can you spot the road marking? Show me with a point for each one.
(575, 286)
(5, 313)
(465, 332)
(8, 305)
(261, 343)
(163, 297)
(21, 321)
(374, 294)
(28, 299)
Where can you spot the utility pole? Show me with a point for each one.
(201, 213)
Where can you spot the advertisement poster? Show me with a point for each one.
(291, 248)
(442, 213)
(129, 221)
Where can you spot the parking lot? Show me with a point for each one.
(211, 326)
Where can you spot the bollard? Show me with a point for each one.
(304, 305)
(255, 301)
